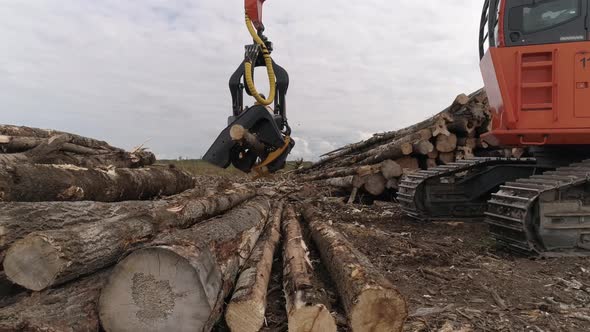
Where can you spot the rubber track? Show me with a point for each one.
(410, 183)
(509, 209)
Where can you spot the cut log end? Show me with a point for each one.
(33, 263)
(312, 319)
(375, 184)
(157, 289)
(237, 132)
(245, 315)
(378, 310)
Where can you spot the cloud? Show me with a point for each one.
(157, 70)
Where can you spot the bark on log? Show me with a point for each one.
(446, 143)
(35, 183)
(347, 171)
(60, 150)
(68, 308)
(344, 182)
(36, 133)
(47, 258)
(246, 309)
(376, 140)
(37, 154)
(472, 107)
(16, 144)
(19, 219)
(180, 281)
(306, 309)
(371, 302)
(397, 149)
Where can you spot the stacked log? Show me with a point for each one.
(374, 166)
(91, 239)
(72, 207)
(25, 144)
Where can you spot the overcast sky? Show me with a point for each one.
(131, 71)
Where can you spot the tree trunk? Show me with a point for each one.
(347, 171)
(34, 183)
(67, 149)
(36, 133)
(436, 125)
(371, 302)
(71, 307)
(245, 312)
(16, 144)
(306, 309)
(344, 183)
(468, 116)
(47, 258)
(446, 143)
(180, 281)
(397, 149)
(19, 219)
(37, 154)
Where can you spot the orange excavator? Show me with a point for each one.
(535, 62)
(257, 138)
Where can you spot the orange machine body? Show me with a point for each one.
(539, 94)
(254, 11)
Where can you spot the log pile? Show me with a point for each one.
(374, 166)
(93, 238)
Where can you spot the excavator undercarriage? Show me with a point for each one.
(531, 209)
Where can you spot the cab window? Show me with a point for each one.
(543, 15)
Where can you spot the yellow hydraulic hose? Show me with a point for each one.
(267, 61)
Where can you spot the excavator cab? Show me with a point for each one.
(535, 62)
(267, 125)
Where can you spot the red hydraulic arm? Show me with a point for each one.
(254, 11)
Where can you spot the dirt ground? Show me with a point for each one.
(453, 277)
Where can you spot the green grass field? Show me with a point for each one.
(200, 167)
